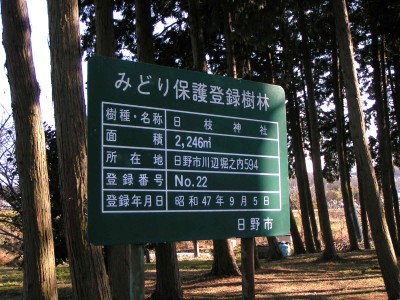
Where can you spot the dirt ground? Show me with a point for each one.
(355, 276)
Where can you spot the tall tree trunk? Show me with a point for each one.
(199, 61)
(168, 282)
(144, 31)
(385, 252)
(383, 136)
(39, 261)
(307, 213)
(297, 242)
(307, 190)
(306, 185)
(105, 39)
(117, 257)
(364, 219)
(228, 28)
(324, 220)
(348, 204)
(88, 272)
(196, 21)
(387, 121)
(301, 174)
(223, 256)
(396, 89)
(274, 250)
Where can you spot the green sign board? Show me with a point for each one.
(181, 155)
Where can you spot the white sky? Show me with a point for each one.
(37, 10)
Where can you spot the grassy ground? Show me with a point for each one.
(356, 276)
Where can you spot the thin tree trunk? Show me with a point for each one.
(301, 175)
(228, 28)
(396, 90)
(348, 204)
(383, 136)
(324, 220)
(168, 282)
(39, 261)
(197, 36)
(310, 203)
(364, 219)
(385, 252)
(196, 251)
(297, 242)
(257, 263)
(395, 197)
(88, 272)
(307, 190)
(117, 257)
(200, 64)
(297, 144)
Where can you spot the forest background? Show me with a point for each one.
(293, 44)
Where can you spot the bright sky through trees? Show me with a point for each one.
(41, 55)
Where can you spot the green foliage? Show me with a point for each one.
(262, 31)
(55, 198)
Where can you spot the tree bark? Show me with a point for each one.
(386, 109)
(105, 38)
(348, 204)
(297, 242)
(383, 136)
(168, 283)
(117, 257)
(384, 249)
(228, 28)
(196, 21)
(307, 190)
(168, 280)
(364, 219)
(144, 31)
(396, 89)
(324, 220)
(223, 257)
(257, 263)
(88, 273)
(301, 175)
(274, 252)
(200, 64)
(39, 261)
(297, 144)
(196, 251)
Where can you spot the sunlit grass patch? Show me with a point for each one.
(11, 283)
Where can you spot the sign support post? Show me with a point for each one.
(248, 287)
(136, 268)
